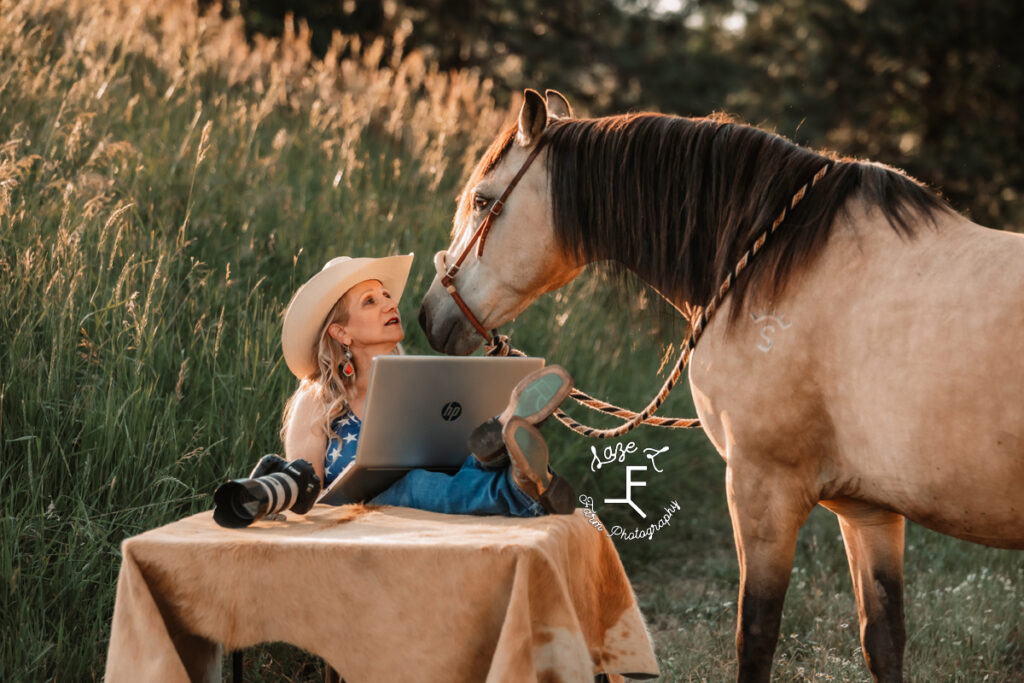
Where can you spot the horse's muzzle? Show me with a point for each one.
(444, 326)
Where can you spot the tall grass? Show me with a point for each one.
(165, 186)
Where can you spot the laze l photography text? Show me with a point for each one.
(636, 533)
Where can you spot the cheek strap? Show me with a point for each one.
(447, 275)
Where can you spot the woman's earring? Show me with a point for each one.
(348, 370)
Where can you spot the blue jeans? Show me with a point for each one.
(470, 491)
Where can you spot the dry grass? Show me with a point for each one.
(163, 188)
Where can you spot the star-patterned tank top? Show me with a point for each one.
(341, 449)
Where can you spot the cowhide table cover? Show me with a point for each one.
(384, 595)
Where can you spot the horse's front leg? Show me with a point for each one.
(874, 547)
(767, 510)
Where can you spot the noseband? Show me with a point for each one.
(500, 345)
(447, 275)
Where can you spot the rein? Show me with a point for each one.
(499, 345)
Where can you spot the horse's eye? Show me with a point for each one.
(480, 202)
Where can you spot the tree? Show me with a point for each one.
(935, 87)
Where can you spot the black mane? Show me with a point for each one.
(677, 200)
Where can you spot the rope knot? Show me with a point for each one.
(498, 346)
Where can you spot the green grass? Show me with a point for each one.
(964, 607)
(163, 190)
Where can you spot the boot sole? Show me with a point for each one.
(529, 457)
(534, 399)
(538, 394)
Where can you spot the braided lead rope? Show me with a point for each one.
(501, 346)
(633, 419)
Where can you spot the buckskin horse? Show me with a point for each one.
(892, 386)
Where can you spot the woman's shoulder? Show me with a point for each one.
(306, 393)
(305, 406)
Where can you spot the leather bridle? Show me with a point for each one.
(502, 346)
(447, 274)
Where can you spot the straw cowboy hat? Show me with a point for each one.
(311, 304)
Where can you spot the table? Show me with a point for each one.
(382, 594)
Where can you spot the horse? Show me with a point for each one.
(890, 389)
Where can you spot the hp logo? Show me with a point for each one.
(451, 411)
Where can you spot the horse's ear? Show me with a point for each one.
(532, 118)
(558, 106)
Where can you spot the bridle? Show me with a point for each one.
(447, 275)
(500, 345)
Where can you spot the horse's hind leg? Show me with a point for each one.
(874, 547)
(767, 513)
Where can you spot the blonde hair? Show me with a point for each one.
(327, 384)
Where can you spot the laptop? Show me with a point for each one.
(419, 412)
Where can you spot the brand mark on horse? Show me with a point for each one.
(770, 320)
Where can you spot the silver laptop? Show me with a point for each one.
(419, 412)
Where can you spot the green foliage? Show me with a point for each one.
(164, 187)
(934, 87)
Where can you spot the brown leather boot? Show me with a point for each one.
(528, 462)
(535, 397)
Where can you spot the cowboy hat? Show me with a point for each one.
(309, 307)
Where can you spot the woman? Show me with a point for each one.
(335, 324)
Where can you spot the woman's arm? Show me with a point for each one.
(303, 437)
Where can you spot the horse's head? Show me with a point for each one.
(500, 265)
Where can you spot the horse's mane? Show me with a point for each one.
(679, 200)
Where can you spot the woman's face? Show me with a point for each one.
(373, 318)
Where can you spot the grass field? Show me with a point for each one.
(164, 187)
